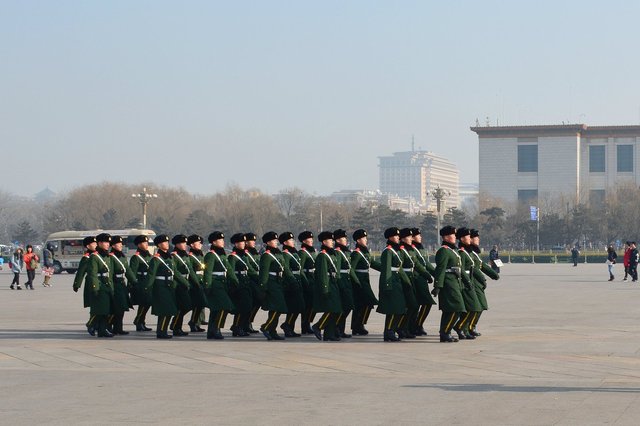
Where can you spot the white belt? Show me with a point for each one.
(310, 270)
(241, 272)
(344, 271)
(103, 274)
(276, 274)
(295, 272)
(141, 273)
(219, 274)
(163, 278)
(363, 271)
(407, 269)
(199, 272)
(394, 269)
(468, 272)
(119, 275)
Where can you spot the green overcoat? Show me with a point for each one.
(422, 274)
(183, 276)
(81, 274)
(308, 262)
(163, 292)
(471, 302)
(272, 281)
(240, 285)
(215, 281)
(293, 289)
(121, 274)
(448, 281)
(344, 278)
(392, 278)
(198, 298)
(480, 281)
(100, 273)
(408, 286)
(361, 261)
(141, 291)
(326, 296)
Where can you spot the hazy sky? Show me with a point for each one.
(275, 94)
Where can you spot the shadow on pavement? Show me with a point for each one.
(525, 389)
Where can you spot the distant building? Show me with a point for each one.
(44, 195)
(468, 194)
(371, 198)
(414, 174)
(576, 161)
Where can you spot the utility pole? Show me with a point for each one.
(144, 197)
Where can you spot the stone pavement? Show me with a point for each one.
(560, 345)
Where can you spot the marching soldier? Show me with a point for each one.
(240, 285)
(271, 283)
(196, 291)
(100, 275)
(183, 277)
(90, 244)
(121, 271)
(345, 279)
(326, 296)
(447, 283)
(141, 291)
(425, 300)
(480, 281)
(253, 260)
(293, 287)
(392, 279)
(363, 298)
(216, 286)
(408, 286)
(163, 294)
(471, 303)
(307, 260)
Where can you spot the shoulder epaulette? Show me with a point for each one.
(389, 246)
(357, 248)
(86, 255)
(156, 255)
(286, 250)
(324, 251)
(267, 251)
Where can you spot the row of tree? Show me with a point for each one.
(110, 206)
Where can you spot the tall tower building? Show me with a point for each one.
(414, 174)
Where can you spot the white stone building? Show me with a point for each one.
(414, 174)
(574, 161)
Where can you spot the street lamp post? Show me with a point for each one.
(144, 198)
(439, 194)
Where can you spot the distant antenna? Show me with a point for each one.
(487, 122)
(413, 143)
(477, 122)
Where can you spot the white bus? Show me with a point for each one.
(68, 248)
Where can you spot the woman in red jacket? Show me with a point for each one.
(31, 263)
(625, 261)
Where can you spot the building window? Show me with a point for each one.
(597, 197)
(625, 158)
(527, 196)
(596, 159)
(527, 158)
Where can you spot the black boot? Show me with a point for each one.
(317, 332)
(461, 335)
(288, 332)
(444, 337)
(390, 336)
(215, 335)
(195, 328)
(145, 328)
(306, 328)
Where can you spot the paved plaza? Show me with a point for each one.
(560, 346)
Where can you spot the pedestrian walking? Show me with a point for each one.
(31, 264)
(17, 265)
(611, 261)
(575, 252)
(47, 264)
(494, 259)
(626, 259)
(633, 262)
